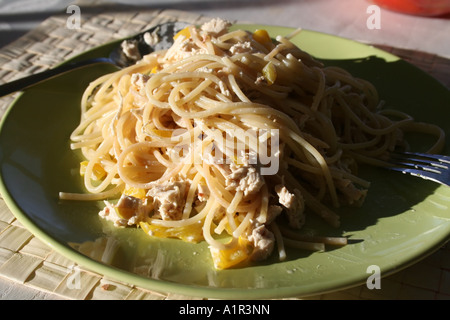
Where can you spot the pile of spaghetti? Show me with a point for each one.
(232, 138)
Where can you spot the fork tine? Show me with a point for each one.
(427, 175)
(419, 164)
(427, 166)
(417, 156)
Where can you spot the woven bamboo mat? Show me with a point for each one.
(27, 261)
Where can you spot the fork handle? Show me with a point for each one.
(28, 81)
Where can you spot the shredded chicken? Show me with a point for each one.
(244, 178)
(131, 50)
(202, 192)
(286, 198)
(138, 81)
(294, 204)
(272, 213)
(186, 49)
(169, 199)
(216, 27)
(128, 211)
(151, 38)
(241, 47)
(263, 241)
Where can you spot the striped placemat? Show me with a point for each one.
(27, 261)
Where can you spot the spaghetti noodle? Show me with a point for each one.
(231, 132)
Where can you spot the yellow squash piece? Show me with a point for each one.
(184, 32)
(97, 170)
(262, 36)
(135, 192)
(225, 259)
(191, 233)
(155, 69)
(270, 73)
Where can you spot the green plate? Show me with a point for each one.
(403, 220)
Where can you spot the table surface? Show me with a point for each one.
(345, 18)
(429, 36)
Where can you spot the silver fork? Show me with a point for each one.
(116, 56)
(432, 167)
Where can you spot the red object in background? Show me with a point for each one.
(417, 7)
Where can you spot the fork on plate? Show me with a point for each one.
(164, 33)
(432, 167)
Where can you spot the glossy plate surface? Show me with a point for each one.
(403, 220)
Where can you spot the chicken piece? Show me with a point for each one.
(263, 241)
(202, 192)
(138, 81)
(151, 38)
(216, 27)
(169, 199)
(131, 50)
(244, 178)
(285, 198)
(127, 212)
(187, 49)
(294, 204)
(241, 47)
(239, 177)
(272, 213)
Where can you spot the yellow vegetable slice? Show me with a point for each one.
(191, 233)
(270, 73)
(155, 69)
(184, 32)
(262, 36)
(135, 192)
(225, 259)
(97, 170)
